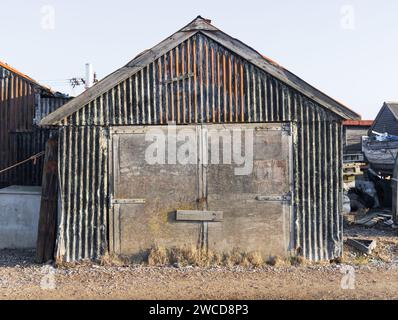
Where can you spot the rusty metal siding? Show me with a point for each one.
(16, 108)
(200, 81)
(20, 137)
(83, 155)
(318, 186)
(27, 144)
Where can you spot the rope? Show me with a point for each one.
(32, 158)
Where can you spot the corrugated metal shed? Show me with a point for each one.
(200, 75)
(23, 103)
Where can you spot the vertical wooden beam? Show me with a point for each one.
(49, 205)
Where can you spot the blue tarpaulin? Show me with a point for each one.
(384, 137)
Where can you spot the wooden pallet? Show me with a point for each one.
(352, 169)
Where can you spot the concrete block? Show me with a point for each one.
(19, 216)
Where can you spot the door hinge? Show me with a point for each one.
(287, 129)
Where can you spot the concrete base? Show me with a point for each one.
(19, 217)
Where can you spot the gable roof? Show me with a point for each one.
(392, 107)
(205, 27)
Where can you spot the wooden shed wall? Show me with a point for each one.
(353, 138)
(201, 81)
(386, 122)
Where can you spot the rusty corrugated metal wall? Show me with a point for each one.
(83, 155)
(16, 93)
(45, 104)
(22, 105)
(201, 82)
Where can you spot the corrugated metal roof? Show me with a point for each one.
(203, 26)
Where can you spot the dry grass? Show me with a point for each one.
(189, 255)
(277, 262)
(256, 259)
(297, 261)
(158, 256)
(113, 260)
(235, 258)
(294, 260)
(193, 256)
(243, 259)
(361, 260)
(108, 260)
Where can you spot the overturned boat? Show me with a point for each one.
(381, 151)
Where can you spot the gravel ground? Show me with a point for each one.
(369, 277)
(21, 279)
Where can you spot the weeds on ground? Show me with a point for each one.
(159, 256)
(361, 260)
(109, 260)
(183, 256)
(297, 261)
(197, 257)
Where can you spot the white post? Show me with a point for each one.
(89, 76)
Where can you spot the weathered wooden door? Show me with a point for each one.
(256, 201)
(146, 195)
(239, 172)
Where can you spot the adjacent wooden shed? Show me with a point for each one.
(23, 103)
(201, 78)
(387, 119)
(353, 131)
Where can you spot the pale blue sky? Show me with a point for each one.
(353, 60)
